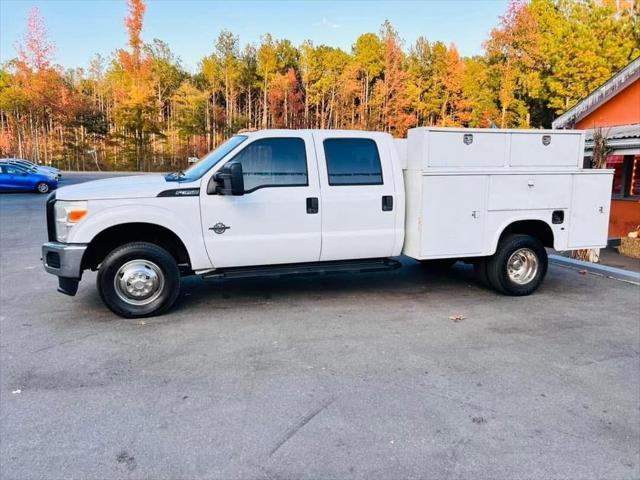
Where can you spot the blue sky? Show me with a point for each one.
(82, 28)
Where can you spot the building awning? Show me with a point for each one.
(621, 140)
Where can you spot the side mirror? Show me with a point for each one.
(227, 181)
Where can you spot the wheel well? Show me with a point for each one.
(536, 228)
(113, 237)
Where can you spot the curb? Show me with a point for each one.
(617, 273)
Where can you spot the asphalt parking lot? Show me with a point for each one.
(344, 376)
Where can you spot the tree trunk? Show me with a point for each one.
(249, 102)
(306, 108)
(264, 104)
(366, 100)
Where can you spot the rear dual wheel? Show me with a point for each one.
(517, 268)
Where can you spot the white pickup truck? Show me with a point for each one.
(277, 202)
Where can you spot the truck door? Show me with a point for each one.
(277, 220)
(358, 204)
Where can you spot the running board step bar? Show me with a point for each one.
(303, 269)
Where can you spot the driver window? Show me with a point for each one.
(273, 162)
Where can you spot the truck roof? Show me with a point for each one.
(308, 130)
(250, 132)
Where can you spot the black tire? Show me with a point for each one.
(497, 265)
(43, 187)
(440, 264)
(151, 256)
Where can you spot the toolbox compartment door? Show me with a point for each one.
(545, 149)
(453, 215)
(472, 149)
(590, 207)
(529, 192)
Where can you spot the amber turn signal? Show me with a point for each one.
(74, 216)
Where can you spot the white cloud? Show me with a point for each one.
(328, 23)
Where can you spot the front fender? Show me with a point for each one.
(182, 218)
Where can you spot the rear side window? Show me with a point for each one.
(352, 161)
(273, 162)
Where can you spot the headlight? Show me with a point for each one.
(67, 215)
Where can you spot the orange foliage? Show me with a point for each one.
(35, 51)
(396, 112)
(133, 22)
(144, 109)
(286, 99)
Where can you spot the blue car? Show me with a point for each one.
(26, 164)
(14, 178)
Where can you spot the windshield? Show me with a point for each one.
(209, 160)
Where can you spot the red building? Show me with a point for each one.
(614, 108)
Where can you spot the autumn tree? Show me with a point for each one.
(267, 68)
(369, 55)
(133, 82)
(140, 108)
(392, 91)
(479, 94)
(427, 65)
(249, 83)
(513, 51)
(285, 100)
(308, 72)
(227, 51)
(167, 75)
(190, 105)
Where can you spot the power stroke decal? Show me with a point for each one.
(180, 192)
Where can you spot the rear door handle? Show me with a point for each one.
(387, 203)
(312, 205)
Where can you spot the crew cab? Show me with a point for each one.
(277, 202)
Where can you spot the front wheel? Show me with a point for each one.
(518, 266)
(43, 187)
(139, 279)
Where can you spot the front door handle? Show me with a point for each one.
(387, 203)
(312, 205)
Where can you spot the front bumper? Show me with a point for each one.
(64, 261)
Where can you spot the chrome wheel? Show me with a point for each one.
(522, 266)
(43, 188)
(139, 282)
